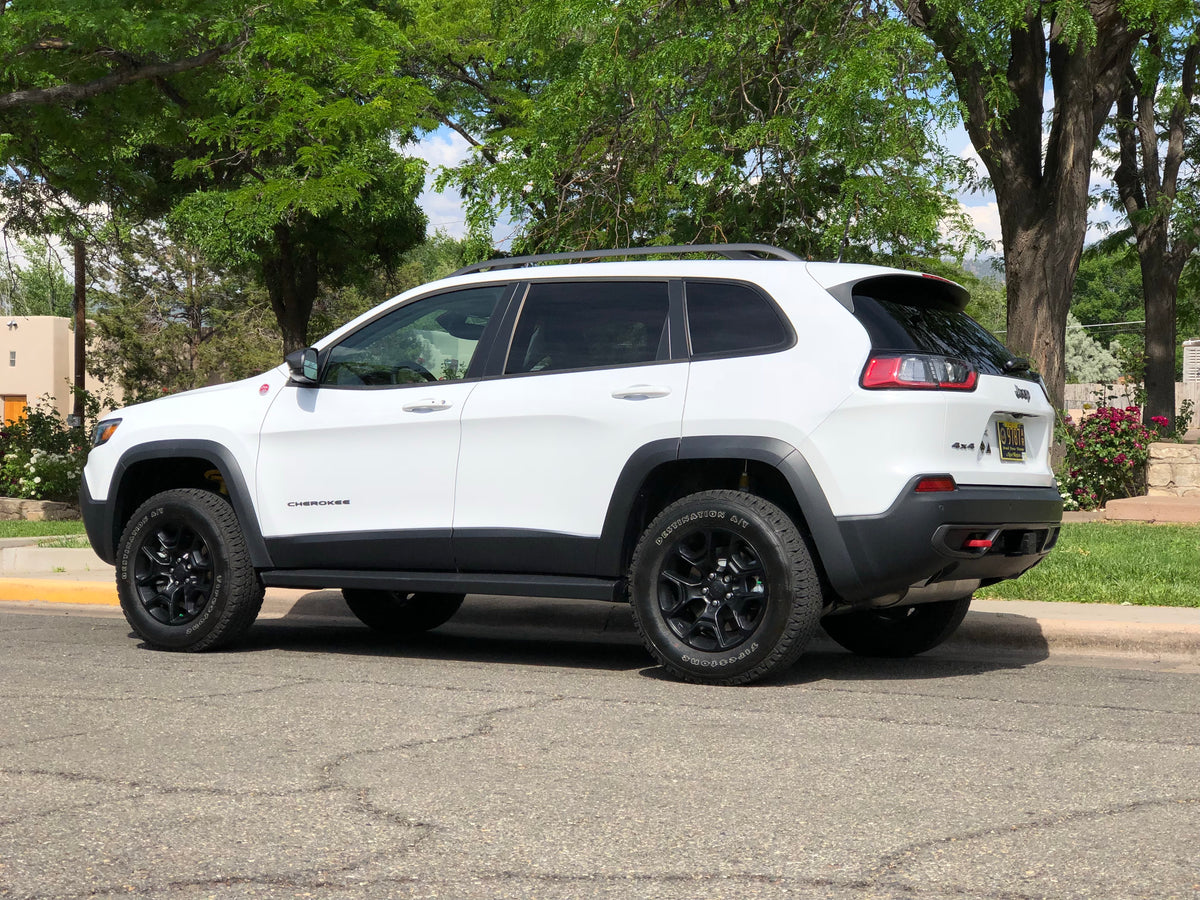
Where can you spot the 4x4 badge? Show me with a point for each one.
(1022, 394)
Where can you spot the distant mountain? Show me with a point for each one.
(989, 267)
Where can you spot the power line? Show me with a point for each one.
(1098, 325)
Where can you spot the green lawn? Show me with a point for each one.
(1094, 562)
(1110, 562)
(39, 529)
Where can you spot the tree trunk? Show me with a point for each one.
(1041, 179)
(1038, 301)
(291, 284)
(1160, 286)
(1041, 257)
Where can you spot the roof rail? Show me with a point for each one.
(729, 251)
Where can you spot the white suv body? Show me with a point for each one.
(522, 430)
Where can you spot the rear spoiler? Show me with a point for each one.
(912, 290)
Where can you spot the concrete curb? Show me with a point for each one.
(27, 560)
(1016, 626)
(1058, 636)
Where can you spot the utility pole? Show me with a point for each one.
(80, 332)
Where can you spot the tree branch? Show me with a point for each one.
(72, 93)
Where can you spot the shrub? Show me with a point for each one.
(42, 457)
(1106, 456)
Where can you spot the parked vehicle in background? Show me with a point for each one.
(741, 448)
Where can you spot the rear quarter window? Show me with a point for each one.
(725, 318)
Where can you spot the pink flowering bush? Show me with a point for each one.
(1107, 452)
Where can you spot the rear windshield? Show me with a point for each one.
(895, 325)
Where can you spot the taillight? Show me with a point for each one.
(918, 371)
(934, 483)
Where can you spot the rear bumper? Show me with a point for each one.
(923, 539)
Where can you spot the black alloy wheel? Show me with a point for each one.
(173, 572)
(712, 589)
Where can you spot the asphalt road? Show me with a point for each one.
(536, 754)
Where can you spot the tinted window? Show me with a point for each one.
(433, 339)
(730, 318)
(589, 324)
(892, 325)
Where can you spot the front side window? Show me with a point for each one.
(584, 325)
(432, 339)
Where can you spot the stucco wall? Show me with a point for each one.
(44, 361)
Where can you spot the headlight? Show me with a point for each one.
(104, 431)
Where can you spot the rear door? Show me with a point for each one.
(588, 378)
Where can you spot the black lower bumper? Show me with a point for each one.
(983, 533)
(98, 523)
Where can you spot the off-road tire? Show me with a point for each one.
(184, 575)
(723, 588)
(898, 631)
(398, 613)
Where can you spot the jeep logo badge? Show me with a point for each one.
(1022, 394)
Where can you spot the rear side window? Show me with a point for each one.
(914, 322)
(583, 325)
(731, 318)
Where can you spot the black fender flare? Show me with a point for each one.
(222, 459)
(827, 537)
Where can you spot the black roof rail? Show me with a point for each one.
(729, 251)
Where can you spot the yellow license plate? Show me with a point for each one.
(1011, 438)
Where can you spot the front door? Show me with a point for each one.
(358, 472)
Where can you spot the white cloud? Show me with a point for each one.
(442, 149)
(986, 217)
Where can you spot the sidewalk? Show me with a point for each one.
(40, 577)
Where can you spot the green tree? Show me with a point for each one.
(603, 124)
(169, 321)
(1108, 285)
(36, 285)
(1087, 360)
(434, 258)
(275, 122)
(1002, 55)
(1156, 130)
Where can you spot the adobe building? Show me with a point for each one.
(37, 357)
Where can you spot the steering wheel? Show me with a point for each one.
(419, 369)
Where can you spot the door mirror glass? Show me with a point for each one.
(303, 365)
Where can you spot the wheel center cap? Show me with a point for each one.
(717, 589)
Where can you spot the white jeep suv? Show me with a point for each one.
(741, 448)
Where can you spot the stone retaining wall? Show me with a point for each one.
(1174, 470)
(36, 510)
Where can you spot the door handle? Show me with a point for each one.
(642, 392)
(427, 405)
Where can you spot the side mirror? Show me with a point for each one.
(303, 364)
